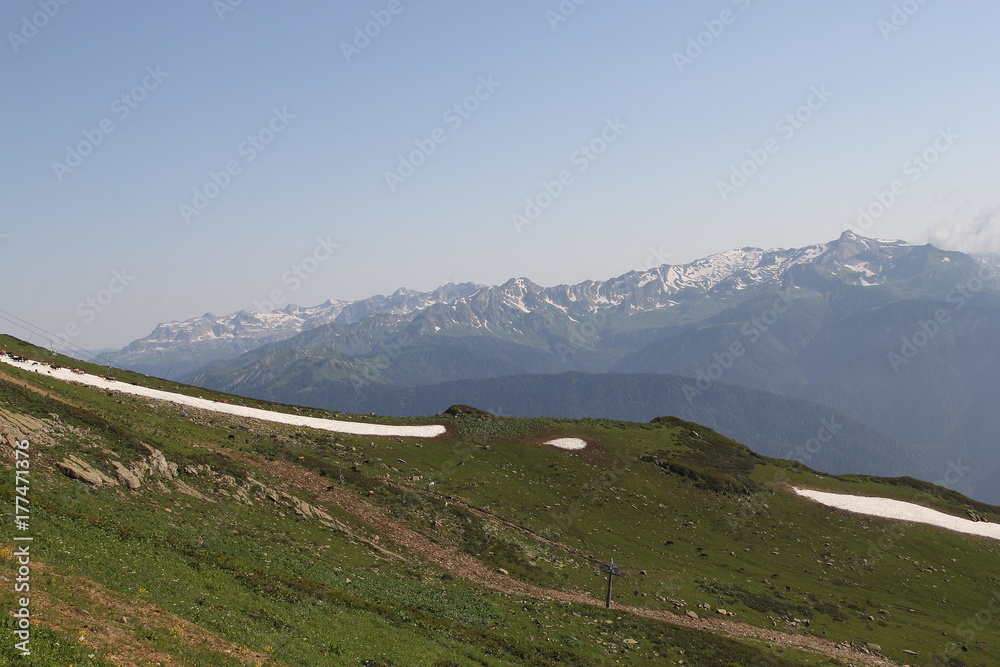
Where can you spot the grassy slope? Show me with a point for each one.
(223, 581)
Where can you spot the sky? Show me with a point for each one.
(165, 160)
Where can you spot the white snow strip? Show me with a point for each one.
(567, 443)
(887, 508)
(353, 428)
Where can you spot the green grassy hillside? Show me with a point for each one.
(258, 543)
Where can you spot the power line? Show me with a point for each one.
(52, 338)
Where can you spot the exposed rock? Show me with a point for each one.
(159, 465)
(139, 468)
(126, 477)
(20, 426)
(184, 488)
(691, 614)
(76, 468)
(241, 495)
(303, 508)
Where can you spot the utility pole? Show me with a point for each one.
(613, 571)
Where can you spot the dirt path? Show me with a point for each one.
(4, 377)
(471, 569)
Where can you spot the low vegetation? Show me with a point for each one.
(276, 545)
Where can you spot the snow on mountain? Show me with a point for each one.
(518, 305)
(179, 346)
(851, 259)
(860, 260)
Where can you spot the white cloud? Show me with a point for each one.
(968, 230)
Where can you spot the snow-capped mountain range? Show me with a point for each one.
(178, 347)
(516, 308)
(853, 258)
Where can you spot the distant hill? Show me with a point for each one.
(771, 424)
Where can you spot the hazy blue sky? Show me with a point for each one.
(117, 114)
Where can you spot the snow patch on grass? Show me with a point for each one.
(334, 425)
(888, 508)
(567, 443)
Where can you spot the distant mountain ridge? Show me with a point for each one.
(184, 346)
(594, 325)
(179, 347)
